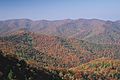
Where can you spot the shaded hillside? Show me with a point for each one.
(46, 50)
(53, 51)
(13, 68)
(22, 46)
(43, 57)
(91, 30)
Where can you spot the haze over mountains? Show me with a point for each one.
(87, 49)
(91, 30)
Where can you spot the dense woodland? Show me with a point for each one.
(55, 51)
(13, 68)
(30, 56)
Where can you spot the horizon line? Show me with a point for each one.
(58, 19)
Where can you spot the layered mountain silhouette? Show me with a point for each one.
(85, 49)
(91, 30)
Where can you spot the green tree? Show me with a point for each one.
(10, 75)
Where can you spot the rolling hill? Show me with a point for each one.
(54, 51)
(91, 30)
(83, 49)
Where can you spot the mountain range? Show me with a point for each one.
(91, 30)
(81, 49)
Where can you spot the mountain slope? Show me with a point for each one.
(102, 68)
(53, 51)
(13, 68)
(91, 30)
(84, 49)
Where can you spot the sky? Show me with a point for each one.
(60, 9)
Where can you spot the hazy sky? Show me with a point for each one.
(60, 9)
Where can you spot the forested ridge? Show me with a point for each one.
(44, 57)
(81, 49)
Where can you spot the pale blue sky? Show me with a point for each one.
(60, 9)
